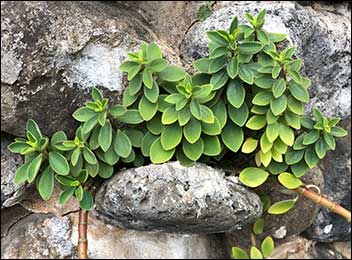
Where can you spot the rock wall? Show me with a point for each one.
(52, 53)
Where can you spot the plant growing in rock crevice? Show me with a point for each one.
(246, 97)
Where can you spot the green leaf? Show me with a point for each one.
(256, 122)
(245, 74)
(147, 141)
(238, 253)
(66, 195)
(122, 144)
(262, 98)
(135, 85)
(206, 114)
(169, 116)
(216, 37)
(299, 169)
(293, 156)
(249, 47)
(101, 118)
(311, 137)
(258, 226)
(255, 253)
(310, 157)
(58, 163)
(21, 173)
(277, 168)
(307, 122)
(267, 246)
(152, 94)
(128, 99)
(276, 37)
(33, 168)
(265, 158)
(132, 116)
(90, 124)
(286, 134)
(172, 73)
(87, 201)
(265, 82)
(235, 93)
(110, 157)
(158, 154)
(272, 131)
(92, 169)
(232, 136)
(147, 110)
(153, 51)
(232, 68)
(105, 136)
(75, 156)
(96, 94)
(293, 120)
(154, 125)
(253, 177)
(263, 37)
(158, 65)
(234, 24)
(295, 76)
(281, 207)
(105, 171)
(220, 51)
(79, 193)
(93, 140)
(17, 147)
(279, 88)
(217, 64)
(329, 140)
(202, 65)
(249, 145)
(83, 114)
(212, 129)
(192, 131)
(265, 145)
(278, 105)
(195, 109)
(212, 145)
(238, 115)
(219, 79)
(276, 70)
(33, 128)
(171, 136)
(338, 131)
(289, 181)
(147, 78)
(117, 110)
(321, 148)
(89, 156)
(298, 92)
(65, 180)
(135, 136)
(295, 106)
(193, 151)
(259, 110)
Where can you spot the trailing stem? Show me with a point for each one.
(82, 234)
(323, 201)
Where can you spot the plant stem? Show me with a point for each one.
(82, 234)
(319, 199)
(252, 236)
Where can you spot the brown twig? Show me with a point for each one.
(319, 199)
(253, 239)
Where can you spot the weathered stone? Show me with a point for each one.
(336, 166)
(10, 192)
(322, 38)
(38, 236)
(294, 247)
(52, 53)
(10, 216)
(173, 198)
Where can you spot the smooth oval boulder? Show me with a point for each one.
(172, 198)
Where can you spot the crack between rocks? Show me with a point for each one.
(14, 223)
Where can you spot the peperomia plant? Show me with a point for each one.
(246, 97)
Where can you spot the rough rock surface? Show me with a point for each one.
(336, 167)
(52, 53)
(322, 38)
(173, 198)
(10, 193)
(43, 236)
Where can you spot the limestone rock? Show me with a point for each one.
(10, 192)
(52, 53)
(173, 198)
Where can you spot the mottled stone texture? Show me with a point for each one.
(10, 192)
(52, 53)
(173, 198)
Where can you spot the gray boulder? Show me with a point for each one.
(10, 192)
(173, 198)
(52, 53)
(322, 37)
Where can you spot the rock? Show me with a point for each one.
(10, 193)
(327, 251)
(173, 198)
(10, 216)
(322, 38)
(34, 203)
(52, 53)
(344, 248)
(45, 236)
(294, 247)
(336, 166)
(38, 236)
(297, 219)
